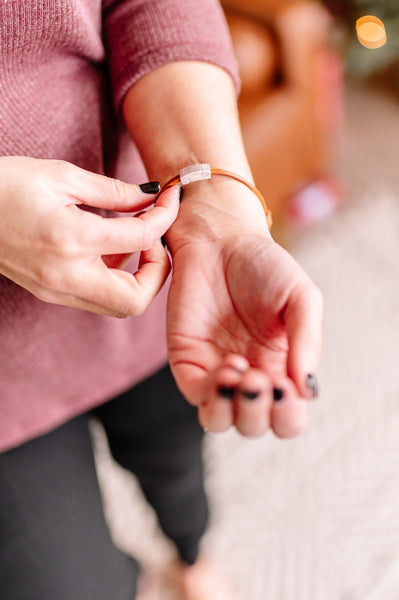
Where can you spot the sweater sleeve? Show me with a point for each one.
(141, 35)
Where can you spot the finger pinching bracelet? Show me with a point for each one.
(199, 172)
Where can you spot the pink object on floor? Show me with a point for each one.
(315, 201)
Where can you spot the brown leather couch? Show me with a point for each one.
(280, 46)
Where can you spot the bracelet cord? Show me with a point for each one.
(214, 171)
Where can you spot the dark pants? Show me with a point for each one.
(54, 543)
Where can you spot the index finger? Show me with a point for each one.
(125, 235)
(303, 319)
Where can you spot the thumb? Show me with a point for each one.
(105, 192)
(303, 320)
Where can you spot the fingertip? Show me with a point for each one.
(311, 386)
(150, 187)
(307, 384)
(289, 415)
(304, 329)
(171, 196)
(155, 254)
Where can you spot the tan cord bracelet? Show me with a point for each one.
(199, 172)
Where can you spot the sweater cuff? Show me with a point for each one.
(142, 36)
(154, 60)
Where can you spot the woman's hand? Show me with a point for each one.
(242, 315)
(63, 254)
(244, 323)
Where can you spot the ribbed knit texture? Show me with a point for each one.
(65, 66)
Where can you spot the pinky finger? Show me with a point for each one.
(289, 414)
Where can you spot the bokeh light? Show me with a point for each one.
(371, 31)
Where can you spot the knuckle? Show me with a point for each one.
(138, 307)
(147, 238)
(47, 278)
(118, 189)
(56, 170)
(49, 236)
(134, 308)
(50, 171)
(59, 168)
(58, 241)
(66, 246)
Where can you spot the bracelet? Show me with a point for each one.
(199, 172)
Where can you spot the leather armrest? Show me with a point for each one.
(301, 29)
(256, 52)
(264, 10)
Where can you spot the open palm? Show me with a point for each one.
(243, 331)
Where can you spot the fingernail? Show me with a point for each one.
(151, 187)
(278, 394)
(163, 241)
(181, 192)
(311, 384)
(226, 392)
(249, 395)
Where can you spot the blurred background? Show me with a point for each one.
(315, 518)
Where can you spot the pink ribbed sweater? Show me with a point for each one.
(65, 66)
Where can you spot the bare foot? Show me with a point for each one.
(204, 580)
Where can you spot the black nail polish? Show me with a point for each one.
(226, 392)
(278, 394)
(312, 385)
(250, 395)
(151, 187)
(163, 242)
(181, 193)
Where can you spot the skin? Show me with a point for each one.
(56, 251)
(241, 311)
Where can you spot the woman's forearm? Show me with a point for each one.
(233, 290)
(185, 113)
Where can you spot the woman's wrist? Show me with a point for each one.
(215, 209)
(204, 172)
(186, 113)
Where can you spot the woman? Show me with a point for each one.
(80, 80)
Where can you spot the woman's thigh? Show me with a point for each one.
(54, 542)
